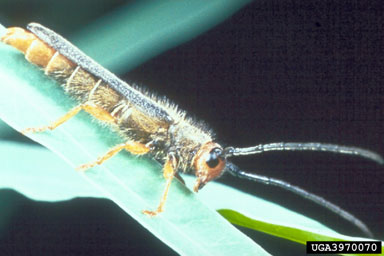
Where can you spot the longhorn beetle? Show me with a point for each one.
(150, 125)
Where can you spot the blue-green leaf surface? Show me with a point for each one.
(29, 99)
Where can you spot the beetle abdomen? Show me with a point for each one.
(77, 82)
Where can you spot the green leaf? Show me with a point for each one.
(299, 235)
(30, 99)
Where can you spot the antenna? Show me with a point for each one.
(236, 171)
(309, 146)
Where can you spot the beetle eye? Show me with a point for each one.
(213, 158)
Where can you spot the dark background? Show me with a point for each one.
(292, 71)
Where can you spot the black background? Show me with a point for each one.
(292, 71)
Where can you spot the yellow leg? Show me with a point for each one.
(92, 109)
(168, 173)
(55, 124)
(133, 147)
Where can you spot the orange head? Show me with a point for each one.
(209, 163)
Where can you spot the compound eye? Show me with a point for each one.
(214, 157)
(209, 163)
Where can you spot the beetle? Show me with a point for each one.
(150, 125)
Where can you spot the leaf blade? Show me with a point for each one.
(26, 90)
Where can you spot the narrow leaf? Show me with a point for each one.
(30, 99)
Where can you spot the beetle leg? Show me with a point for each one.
(92, 109)
(169, 171)
(135, 148)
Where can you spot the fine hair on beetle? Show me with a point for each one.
(151, 125)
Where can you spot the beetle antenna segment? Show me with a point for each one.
(236, 171)
(310, 146)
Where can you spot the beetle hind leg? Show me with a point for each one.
(96, 111)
